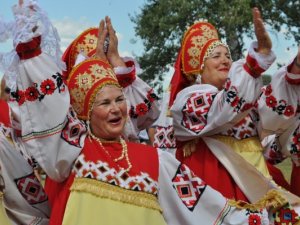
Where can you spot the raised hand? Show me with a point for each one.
(102, 33)
(262, 36)
(113, 53)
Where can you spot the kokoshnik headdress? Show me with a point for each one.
(199, 41)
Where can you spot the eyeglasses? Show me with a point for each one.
(7, 90)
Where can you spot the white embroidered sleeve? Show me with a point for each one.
(50, 130)
(280, 102)
(202, 110)
(24, 198)
(142, 102)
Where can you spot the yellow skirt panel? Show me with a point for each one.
(87, 205)
(3, 217)
(250, 149)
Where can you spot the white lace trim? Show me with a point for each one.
(28, 16)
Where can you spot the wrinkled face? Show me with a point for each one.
(216, 67)
(108, 116)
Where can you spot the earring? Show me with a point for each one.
(198, 79)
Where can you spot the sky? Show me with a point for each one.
(71, 17)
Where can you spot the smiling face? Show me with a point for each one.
(216, 67)
(109, 113)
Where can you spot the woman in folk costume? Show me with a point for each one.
(217, 122)
(280, 102)
(22, 195)
(141, 100)
(104, 176)
(143, 103)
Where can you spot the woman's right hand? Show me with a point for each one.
(262, 36)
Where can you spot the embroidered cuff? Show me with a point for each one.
(252, 67)
(29, 49)
(126, 75)
(257, 63)
(290, 77)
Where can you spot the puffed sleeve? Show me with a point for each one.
(50, 130)
(201, 110)
(142, 102)
(280, 102)
(24, 198)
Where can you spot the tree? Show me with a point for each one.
(161, 24)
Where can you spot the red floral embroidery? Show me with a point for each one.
(247, 106)
(151, 96)
(141, 109)
(21, 97)
(227, 84)
(296, 139)
(277, 105)
(271, 101)
(31, 94)
(48, 87)
(268, 90)
(254, 219)
(235, 102)
(144, 107)
(38, 92)
(289, 111)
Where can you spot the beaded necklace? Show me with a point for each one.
(123, 155)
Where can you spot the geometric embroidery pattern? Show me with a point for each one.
(195, 111)
(188, 186)
(102, 172)
(31, 189)
(73, 130)
(243, 129)
(164, 137)
(286, 215)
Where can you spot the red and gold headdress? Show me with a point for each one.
(84, 82)
(199, 41)
(85, 43)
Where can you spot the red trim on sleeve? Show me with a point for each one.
(127, 79)
(29, 49)
(252, 67)
(289, 79)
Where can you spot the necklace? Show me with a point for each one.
(123, 155)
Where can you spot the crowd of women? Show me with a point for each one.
(76, 117)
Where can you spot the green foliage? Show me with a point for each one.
(161, 24)
(266, 79)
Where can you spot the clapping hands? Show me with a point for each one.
(106, 30)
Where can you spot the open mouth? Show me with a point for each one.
(115, 121)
